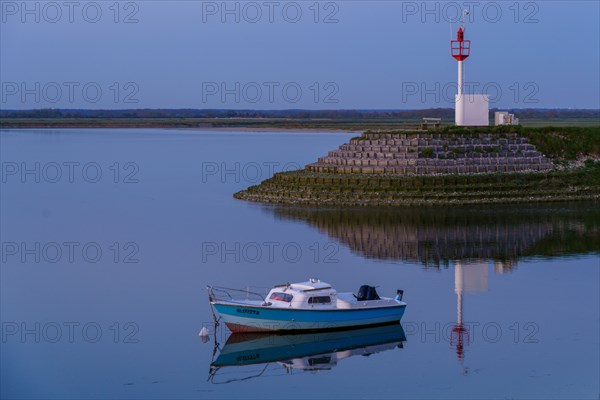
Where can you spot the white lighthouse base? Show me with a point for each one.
(472, 110)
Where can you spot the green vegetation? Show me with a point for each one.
(566, 143)
(427, 152)
(560, 144)
(309, 188)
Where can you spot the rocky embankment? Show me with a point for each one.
(429, 168)
(433, 153)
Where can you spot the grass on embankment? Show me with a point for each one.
(558, 143)
(311, 188)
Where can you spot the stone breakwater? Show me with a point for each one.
(424, 168)
(430, 153)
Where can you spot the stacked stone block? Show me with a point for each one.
(428, 154)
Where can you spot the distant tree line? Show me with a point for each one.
(444, 113)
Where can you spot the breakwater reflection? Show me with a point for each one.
(437, 236)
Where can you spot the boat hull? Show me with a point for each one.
(241, 318)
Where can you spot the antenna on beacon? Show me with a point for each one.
(460, 19)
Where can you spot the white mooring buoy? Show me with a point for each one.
(203, 332)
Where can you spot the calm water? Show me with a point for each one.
(109, 238)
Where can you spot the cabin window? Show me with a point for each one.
(319, 300)
(281, 297)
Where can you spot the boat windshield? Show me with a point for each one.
(281, 297)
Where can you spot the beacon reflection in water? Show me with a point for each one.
(468, 278)
(254, 354)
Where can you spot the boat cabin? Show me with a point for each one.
(315, 294)
(310, 294)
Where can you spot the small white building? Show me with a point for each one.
(472, 110)
(505, 118)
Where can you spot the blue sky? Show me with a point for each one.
(303, 54)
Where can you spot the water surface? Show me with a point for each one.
(110, 236)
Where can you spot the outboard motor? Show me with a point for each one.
(399, 295)
(367, 292)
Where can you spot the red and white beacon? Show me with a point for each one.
(470, 109)
(461, 49)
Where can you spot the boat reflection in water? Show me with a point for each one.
(285, 353)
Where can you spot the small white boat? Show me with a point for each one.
(304, 306)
